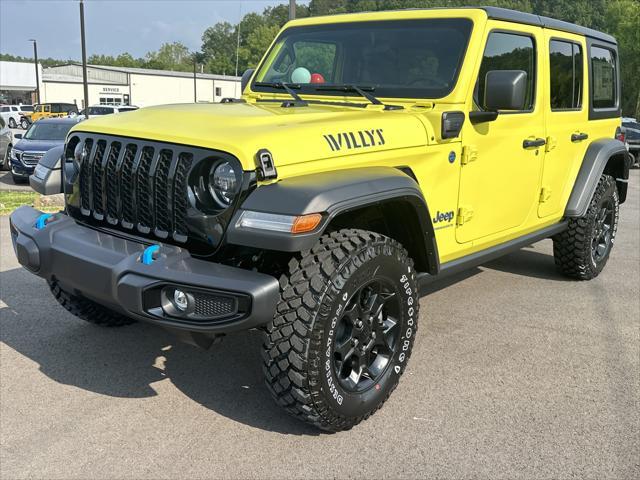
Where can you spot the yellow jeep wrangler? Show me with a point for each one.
(47, 110)
(369, 155)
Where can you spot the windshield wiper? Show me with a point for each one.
(287, 87)
(362, 91)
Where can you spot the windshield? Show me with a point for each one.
(399, 58)
(48, 131)
(100, 110)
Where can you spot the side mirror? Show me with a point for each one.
(17, 135)
(505, 90)
(246, 76)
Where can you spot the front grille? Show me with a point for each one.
(31, 159)
(135, 185)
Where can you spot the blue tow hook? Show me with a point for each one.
(147, 255)
(41, 222)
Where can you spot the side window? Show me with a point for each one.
(55, 108)
(47, 108)
(4, 109)
(566, 75)
(603, 78)
(508, 51)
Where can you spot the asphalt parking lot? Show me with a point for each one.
(516, 373)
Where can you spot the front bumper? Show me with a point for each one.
(108, 270)
(19, 169)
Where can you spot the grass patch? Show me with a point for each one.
(10, 200)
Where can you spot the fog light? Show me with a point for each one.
(180, 300)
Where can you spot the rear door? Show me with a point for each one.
(567, 123)
(500, 176)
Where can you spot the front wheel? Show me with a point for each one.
(86, 309)
(18, 180)
(6, 162)
(344, 329)
(582, 251)
(24, 123)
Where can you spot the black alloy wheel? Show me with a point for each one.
(602, 233)
(367, 336)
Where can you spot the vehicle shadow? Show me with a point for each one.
(125, 362)
(528, 262)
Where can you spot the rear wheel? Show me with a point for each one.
(86, 309)
(344, 329)
(12, 123)
(583, 249)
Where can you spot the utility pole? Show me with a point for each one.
(195, 79)
(35, 59)
(238, 39)
(292, 9)
(84, 62)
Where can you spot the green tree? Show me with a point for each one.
(219, 48)
(170, 56)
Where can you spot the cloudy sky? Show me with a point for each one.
(113, 26)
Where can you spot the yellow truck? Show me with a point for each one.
(369, 155)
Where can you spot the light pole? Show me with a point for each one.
(292, 9)
(84, 62)
(195, 79)
(35, 59)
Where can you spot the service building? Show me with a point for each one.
(119, 85)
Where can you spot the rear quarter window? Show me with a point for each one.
(603, 78)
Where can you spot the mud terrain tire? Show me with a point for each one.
(86, 309)
(582, 251)
(343, 330)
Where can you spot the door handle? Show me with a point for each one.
(578, 137)
(533, 143)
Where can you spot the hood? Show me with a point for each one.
(292, 135)
(25, 144)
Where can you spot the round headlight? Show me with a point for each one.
(78, 155)
(223, 183)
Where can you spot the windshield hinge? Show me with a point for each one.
(469, 154)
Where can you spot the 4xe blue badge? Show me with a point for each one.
(452, 157)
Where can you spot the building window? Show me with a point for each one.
(508, 51)
(604, 78)
(566, 75)
(218, 92)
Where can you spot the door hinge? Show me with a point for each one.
(551, 144)
(545, 194)
(464, 215)
(469, 154)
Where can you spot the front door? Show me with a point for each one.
(502, 159)
(566, 119)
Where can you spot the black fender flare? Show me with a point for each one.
(603, 155)
(331, 194)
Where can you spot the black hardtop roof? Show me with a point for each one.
(515, 16)
(508, 15)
